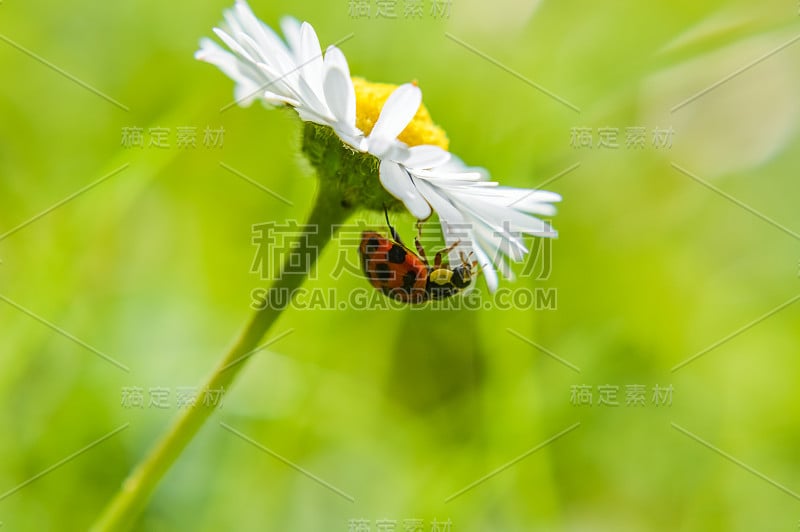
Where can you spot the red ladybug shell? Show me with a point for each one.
(393, 268)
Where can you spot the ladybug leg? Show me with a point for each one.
(418, 244)
(465, 261)
(437, 261)
(420, 251)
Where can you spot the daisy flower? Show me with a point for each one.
(278, 72)
(484, 220)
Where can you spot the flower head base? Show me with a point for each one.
(350, 173)
(357, 131)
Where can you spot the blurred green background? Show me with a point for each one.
(401, 409)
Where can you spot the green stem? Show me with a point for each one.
(132, 498)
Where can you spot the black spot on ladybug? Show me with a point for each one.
(409, 280)
(382, 271)
(397, 255)
(372, 245)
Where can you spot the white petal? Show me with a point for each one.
(310, 58)
(495, 247)
(439, 175)
(398, 183)
(211, 52)
(274, 82)
(208, 48)
(506, 231)
(231, 43)
(487, 268)
(311, 100)
(529, 200)
(354, 138)
(397, 112)
(339, 92)
(457, 165)
(498, 214)
(426, 157)
(308, 114)
(245, 94)
(273, 98)
(454, 226)
(541, 195)
(230, 22)
(246, 78)
(494, 227)
(334, 58)
(388, 148)
(291, 29)
(272, 48)
(254, 49)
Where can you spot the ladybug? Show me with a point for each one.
(405, 276)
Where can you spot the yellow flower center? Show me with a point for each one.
(370, 98)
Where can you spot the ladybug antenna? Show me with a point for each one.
(392, 231)
(386, 214)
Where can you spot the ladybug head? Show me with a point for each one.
(464, 272)
(461, 275)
